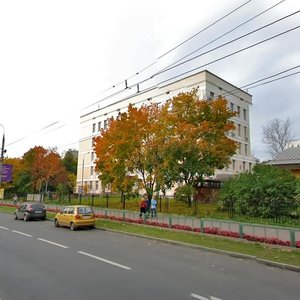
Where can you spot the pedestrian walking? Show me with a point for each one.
(15, 199)
(153, 208)
(143, 206)
(148, 202)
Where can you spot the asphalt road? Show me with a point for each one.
(39, 261)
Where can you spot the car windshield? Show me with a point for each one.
(84, 210)
(38, 206)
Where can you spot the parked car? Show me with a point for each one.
(31, 211)
(75, 216)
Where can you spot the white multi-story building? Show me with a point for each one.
(208, 85)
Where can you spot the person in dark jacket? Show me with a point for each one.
(143, 206)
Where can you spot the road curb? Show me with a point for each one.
(218, 251)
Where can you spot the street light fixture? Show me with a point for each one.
(2, 152)
(82, 173)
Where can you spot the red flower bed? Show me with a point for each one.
(217, 231)
(272, 241)
(182, 227)
(155, 223)
(9, 205)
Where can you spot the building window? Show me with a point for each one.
(246, 133)
(94, 127)
(99, 126)
(239, 129)
(233, 165)
(97, 185)
(246, 149)
(231, 106)
(250, 166)
(105, 124)
(244, 166)
(245, 114)
(92, 156)
(239, 111)
(91, 185)
(92, 170)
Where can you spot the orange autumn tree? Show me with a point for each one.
(180, 141)
(45, 167)
(127, 152)
(196, 141)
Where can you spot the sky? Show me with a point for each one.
(60, 59)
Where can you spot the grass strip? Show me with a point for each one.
(262, 251)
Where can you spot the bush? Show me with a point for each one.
(266, 192)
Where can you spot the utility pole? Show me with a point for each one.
(82, 175)
(2, 153)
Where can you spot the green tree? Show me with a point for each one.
(69, 160)
(266, 192)
(21, 179)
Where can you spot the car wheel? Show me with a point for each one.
(26, 218)
(56, 224)
(72, 226)
(15, 216)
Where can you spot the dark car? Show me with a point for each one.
(31, 211)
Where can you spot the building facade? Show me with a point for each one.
(208, 86)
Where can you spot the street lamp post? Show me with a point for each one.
(82, 174)
(2, 152)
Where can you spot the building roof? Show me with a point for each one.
(290, 156)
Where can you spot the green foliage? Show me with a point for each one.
(266, 192)
(62, 189)
(185, 193)
(69, 160)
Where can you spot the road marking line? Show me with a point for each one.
(104, 260)
(52, 243)
(204, 298)
(5, 229)
(22, 233)
(198, 297)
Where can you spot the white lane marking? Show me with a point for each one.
(104, 260)
(198, 297)
(5, 229)
(22, 233)
(52, 243)
(203, 298)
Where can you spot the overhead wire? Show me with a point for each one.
(197, 68)
(232, 53)
(226, 33)
(207, 27)
(130, 86)
(247, 86)
(240, 88)
(135, 74)
(227, 43)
